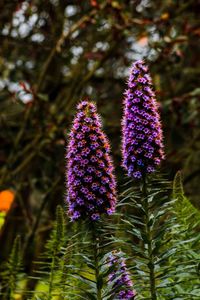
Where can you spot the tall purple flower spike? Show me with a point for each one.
(120, 277)
(90, 181)
(142, 146)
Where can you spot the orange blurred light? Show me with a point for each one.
(6, 200)
(143, 41)
(165, 16)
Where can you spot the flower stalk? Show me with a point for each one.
(149, 237)
(95, 243)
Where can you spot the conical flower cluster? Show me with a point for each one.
(120, 277)
(142, 146)
(90, 180)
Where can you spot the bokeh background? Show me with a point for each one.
(55, 53)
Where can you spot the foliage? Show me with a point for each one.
(11, 274)
(162, 253)
(188, 216)
(149, 231)
(187, 238)
(55, 53)
(51, 267)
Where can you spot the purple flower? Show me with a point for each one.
(75, 215)
(120, 277)
(111, 210)
(142, 146)
(95, 217)
(90, 180)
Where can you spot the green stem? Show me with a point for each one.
(149, 241)
(95, 241)
(51, 277)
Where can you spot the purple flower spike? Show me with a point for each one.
(90, 181)
(142, 146)
(120, 277)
